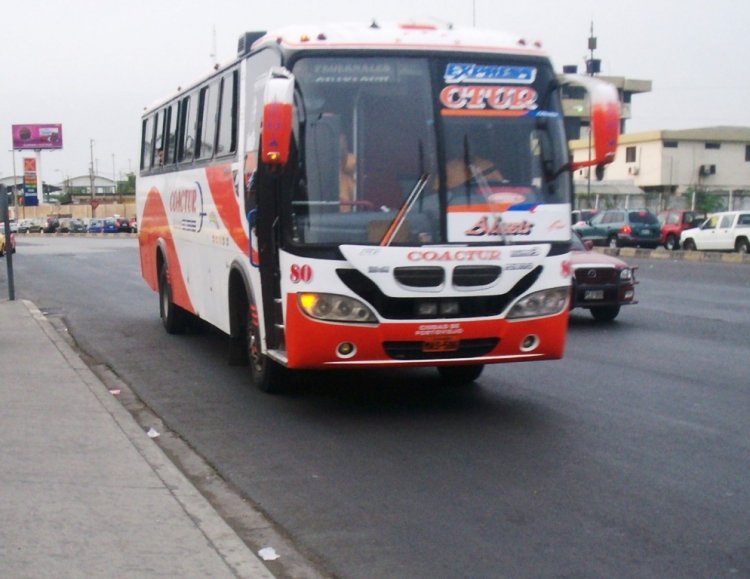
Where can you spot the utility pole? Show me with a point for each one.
(91, 169)
(592, 67)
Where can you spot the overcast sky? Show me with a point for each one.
(93, 65)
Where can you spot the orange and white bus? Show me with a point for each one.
(361, 196)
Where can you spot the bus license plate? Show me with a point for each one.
(440, 345)
(594, 295)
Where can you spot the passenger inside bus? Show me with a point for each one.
(458, 172)
(347, 168)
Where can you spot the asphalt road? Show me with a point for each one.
(628, 458)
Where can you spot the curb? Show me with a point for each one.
(677, 255)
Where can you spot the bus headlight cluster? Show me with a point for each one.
(542, 303)
(335, 308)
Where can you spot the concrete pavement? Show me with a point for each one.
(84, 491)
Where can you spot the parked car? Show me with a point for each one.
(726, 231)
(123, 224)
(51, 225)
(581, 215)
(71, 225)
(675, 221)
(622, 227)
(134, 224)
(4, 242)
(30, 226)
(13, 225)
(107, 225)
(601, 283)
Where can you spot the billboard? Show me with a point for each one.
(47, 136)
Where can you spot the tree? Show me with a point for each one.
(127, 187)
(707, 201)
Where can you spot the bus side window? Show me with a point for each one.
(146, 143)
(227, 141)
(207, 121)
(171, 135)
(190, 128)
(158, 159)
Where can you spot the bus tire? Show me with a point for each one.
(265, 374)
(460, 375)
(173, 317)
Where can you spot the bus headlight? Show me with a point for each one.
(335, 308)
(543, 303)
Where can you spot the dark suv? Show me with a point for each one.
(622, 227)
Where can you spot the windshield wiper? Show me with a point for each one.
(398, 220)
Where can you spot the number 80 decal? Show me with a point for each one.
(300, 273)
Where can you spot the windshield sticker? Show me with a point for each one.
(503, 100)
(494, 226)
(484, 73)
(352, 73)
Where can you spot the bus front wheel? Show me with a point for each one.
(265, 374)
(460, 375)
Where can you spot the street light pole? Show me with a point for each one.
(15, 187)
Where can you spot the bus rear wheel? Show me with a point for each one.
(173, 317)
(460, 375)
(265, 374)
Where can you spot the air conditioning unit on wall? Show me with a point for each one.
(633, 170)
(705, 170)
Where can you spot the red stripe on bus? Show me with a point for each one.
(221, 184)
(154, 226)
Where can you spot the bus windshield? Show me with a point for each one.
(394, 150)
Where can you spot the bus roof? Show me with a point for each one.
(396, 36)
(373, 36)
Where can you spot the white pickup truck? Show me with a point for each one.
(727, 231)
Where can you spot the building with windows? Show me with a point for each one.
(82, 185)
(669, 169)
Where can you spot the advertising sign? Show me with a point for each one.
(30, 197)
(36, 137)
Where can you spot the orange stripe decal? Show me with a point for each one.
(221, 184)
(154, 226)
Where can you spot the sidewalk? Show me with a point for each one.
(84, 492)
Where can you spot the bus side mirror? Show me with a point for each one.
(277, 117)
(604, 104)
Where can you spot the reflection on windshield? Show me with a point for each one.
(370, 132)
